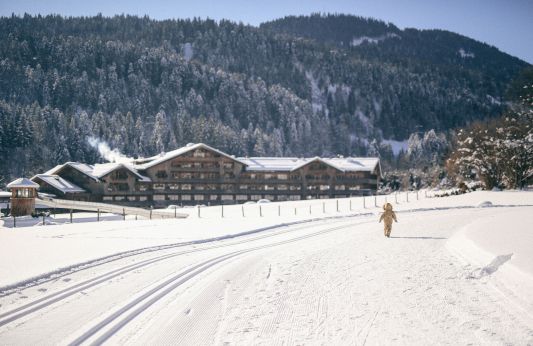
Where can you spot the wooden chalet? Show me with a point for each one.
(200, 174)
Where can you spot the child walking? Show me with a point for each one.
(387, 216)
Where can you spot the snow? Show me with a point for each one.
(188, 51)
(59, 183)
(22, 183)
(356, 41)
(452, 273)
(465, 54)
(397, 146)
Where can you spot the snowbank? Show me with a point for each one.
(500, 247)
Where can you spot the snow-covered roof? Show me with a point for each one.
(22, 183)
(180, 151)
(81, 167)
(98, 170)
(348, 164)
(271, 163)
(59, 183)
(102, 169)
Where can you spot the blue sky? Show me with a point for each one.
(506, 24)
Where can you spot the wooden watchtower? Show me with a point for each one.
(23, 193)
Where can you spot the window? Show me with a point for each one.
(228, 165)
(294, 197)
(173, 197)
(226, 197)
(159, 186)
(161, 174)
(142, 198)
(186, 186)
(174, 186)
(282, 187)
(24, 193)
(198, 153)
(142, 187)
(243, 187)
(198, 197)
(242, 197)
(295, 187)
(159, 197)
(283, 176)
(353, 188)
(185, 197)
(198, 187)
(229, 176)
(324, 187)
(108, 198)
(269, 197)
(120, 198)
(255, 197)
(269, 187)
(213, 197)
(340, 187)
(186, 175)
(120, 175)
(226, 187)
(132, 198)
(268, 176)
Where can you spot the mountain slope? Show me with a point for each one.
(147, 86)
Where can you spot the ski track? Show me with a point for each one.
(289, 288)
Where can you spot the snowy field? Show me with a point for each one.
(455, 271)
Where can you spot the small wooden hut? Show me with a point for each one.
(23, 193)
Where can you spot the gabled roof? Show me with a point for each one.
(102, 169)
(316, 159)
(97, 171)
(289, 164)
(180, 151)
(22, 183)
(81, 167)
(271, 163)
(59, 183)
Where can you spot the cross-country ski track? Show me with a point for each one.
(334, 281)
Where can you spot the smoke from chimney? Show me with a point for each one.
(111, 155)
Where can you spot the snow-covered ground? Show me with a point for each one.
(308, 272)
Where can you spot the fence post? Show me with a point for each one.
(222, 205)
(198, 211)
(396, 197)
(135, 217)
(242, 208)
(337, 206)
(279, 210)
(350, 205)
(151, 208)
(175, 213)
(295, 211)
(43, 219)
(70, 215)
(376, 200)
(98, 214)
(364, 202)
(407, 194)
(14, 221)
(417, 195)
(324, 207)
(309, 209)
(260, 211)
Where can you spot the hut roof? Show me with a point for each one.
(22, 183)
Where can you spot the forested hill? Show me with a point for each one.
(318, 85)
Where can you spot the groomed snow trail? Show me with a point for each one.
(335, 282)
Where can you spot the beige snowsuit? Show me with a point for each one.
(388, 215)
